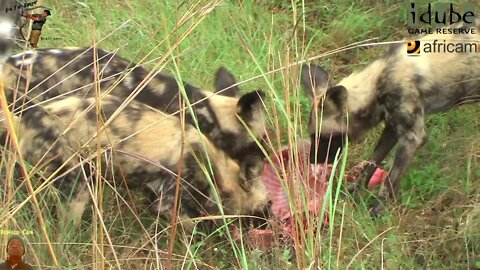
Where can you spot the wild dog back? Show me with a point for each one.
(143, 145)
(48, 73)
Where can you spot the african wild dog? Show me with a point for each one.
(48, 73)
(144, 147)
(398, 90)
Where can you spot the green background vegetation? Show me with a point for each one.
(438, 222)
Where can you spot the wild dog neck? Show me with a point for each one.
(362, 109)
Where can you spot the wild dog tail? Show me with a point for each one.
(7, 27)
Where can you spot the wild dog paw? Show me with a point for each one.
(360, 175)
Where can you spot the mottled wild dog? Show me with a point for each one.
(396, 89)
(48, 73)
(142, 145)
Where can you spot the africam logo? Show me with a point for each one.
(415, 47)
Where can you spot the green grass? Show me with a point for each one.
(437, 222)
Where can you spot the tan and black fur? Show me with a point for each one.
(398, 90)
(45, 74)
(142, 145)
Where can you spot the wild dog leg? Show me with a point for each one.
(411, 133)
(386, 142)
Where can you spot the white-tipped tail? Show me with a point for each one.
(6, 42)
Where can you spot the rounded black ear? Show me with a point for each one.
(314, 80)
(250, 104)
(224, 81)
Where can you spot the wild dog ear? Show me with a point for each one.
(314, 80)
(224, 79)
(250, 105)
(337, 95)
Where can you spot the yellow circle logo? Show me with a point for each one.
(413, 47)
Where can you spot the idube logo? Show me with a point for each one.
(420, 18)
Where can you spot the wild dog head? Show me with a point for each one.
(241, 122)
(328, 121)
(234, 121)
